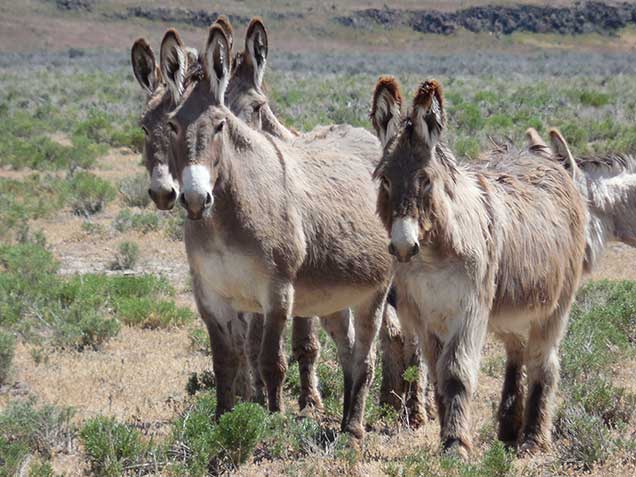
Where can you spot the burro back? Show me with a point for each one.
(493, 245)
(607, 182)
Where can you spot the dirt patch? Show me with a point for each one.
(589, 17)
(139, 375)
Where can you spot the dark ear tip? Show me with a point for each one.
(427, 90)
(172, 34)
(255, 22)
(141, 43)
(391, 85)
(216, 29)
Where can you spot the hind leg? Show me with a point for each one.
(367, 324)
(511, 406)
(542, 361)
(306, 349)
(339, 326)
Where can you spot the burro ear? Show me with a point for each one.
(562, 150)
(257, 48)
(174, 63)
(536, 144)
(224, 23)
(216, 62)
(428, 116)
(144, 65)
(386, 108)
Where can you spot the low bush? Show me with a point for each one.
(27, 429)
(7, 349)
(143, 222)
(134, 190)
(89, 194)
(126, 257)
(111, 446)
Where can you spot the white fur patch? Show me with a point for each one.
(161, 179)
(404, 234)
(196, 178)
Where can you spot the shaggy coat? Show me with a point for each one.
(480, 246)
(246, 98)
(608, 185)
(278, 228)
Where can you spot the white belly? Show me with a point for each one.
(441, 290)
(239, 279)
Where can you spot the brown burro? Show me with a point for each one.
(246, 98)
(495, 245)
(160, 101)
(278, 228)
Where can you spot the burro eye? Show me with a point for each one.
(145, 130)
(174, 129)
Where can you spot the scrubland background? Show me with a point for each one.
(104, 365)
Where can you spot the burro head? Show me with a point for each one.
(406, 173)
(163, 188)
(197, 127)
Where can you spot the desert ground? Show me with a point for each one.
(105, 366)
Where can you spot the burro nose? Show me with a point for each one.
(164, 197)
(404, 243)
(196, 203)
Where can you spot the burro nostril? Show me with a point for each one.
(415, 250)
(151, 194)
(208, 201)
(173, 195)
(392, 249)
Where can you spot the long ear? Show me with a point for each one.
(174, 63)
(428, 116)
(257, 47)
(224, 23)
(386, 108)
(562, 150)
(216, 62)
(537, 145)
(144, 65)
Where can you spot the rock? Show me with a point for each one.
(593, 16)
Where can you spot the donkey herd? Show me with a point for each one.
(332, 222)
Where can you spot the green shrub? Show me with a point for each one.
(134, 190)
(239, 431)
(150, 313)
(127, 256)
(7, 349)
(89, 193)
(196, 431)
(583, 439)
(79, 311)
(12, 454)
(26, 428)
(200, 341)
(111, 446)
(143, 222)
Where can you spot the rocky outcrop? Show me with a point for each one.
(585, 17)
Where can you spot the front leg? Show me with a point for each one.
(457, 369)
(227, 334)
(272, 360)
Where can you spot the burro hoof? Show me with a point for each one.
(456, 448)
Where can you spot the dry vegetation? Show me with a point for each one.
(104, 367)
